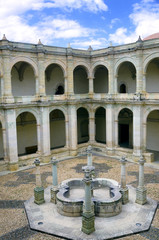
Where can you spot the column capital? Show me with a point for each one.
(141, 160)
(37, 162)
(123, 160)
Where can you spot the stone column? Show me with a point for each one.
(72, 129)
(89, 156)
(110, 134)
(70, 71)
(123, 188)
(116, 84)
(41, 75)
(91, 89)
(38, 138)
(4, 143)
(111, 74)
(65, 85)
(88, 217)
(141, 190)
(11, 135)
(139, 74)
(38, 190)
(45, 131)
(144, 82)
(7, 94)
(67, 133)
(54, 190)
(137, 132)
(91, 128)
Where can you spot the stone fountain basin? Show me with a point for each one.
(106, 197)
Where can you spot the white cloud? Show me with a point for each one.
(145, 20)
(94, 43)
(91, 5)
(13, 21)
(47, 30)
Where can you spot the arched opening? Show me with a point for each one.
(54, 80)
(80, 79)
(23, 79)
(82, 125)
(123, 88)
(125, 128)
(1, 143)
(59, 90)
(101, 80)
(152, 76)
(127, 73)
(152, 139)
(26, 133)
(57, 129)
(100, 125)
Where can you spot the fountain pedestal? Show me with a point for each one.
(88, 217)
(54, 190)
(123, 188)
(38, 190)
(141, 191)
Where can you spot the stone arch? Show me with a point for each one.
(152, 133)
(148, 59)
(62, 109)
(23, 77)
(80, 79)
(121, 61)
(27, 60)
(100, 125)
(82, 125)
(54, 77)
(61, 64)
(127, 73)
(101, 79)
(57, 129)
(125, 128)
(33, 111)
(96, 64)
(151, 71)
(84, 65)
(27, 139)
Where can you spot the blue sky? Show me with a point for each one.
(79, 22)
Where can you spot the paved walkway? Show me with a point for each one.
(15, 188)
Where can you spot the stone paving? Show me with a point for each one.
(17, 187)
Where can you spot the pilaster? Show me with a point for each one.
(7, 90)
(11, 134)
(70, 72)
(45, 131)
(137, 131)
(72, 129)
(41, 75)
(110, 134)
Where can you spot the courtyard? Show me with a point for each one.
(17, 187)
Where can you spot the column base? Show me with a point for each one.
(125, 195)
(73, 152)
(13, 166)
(53, 192)
(88, 220)
(141, 195)
(39, 195)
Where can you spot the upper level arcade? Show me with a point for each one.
(33, 72)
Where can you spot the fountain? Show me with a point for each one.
(90, 208)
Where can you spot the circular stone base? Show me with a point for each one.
(134, 218)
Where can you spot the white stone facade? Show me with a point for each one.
(57, 101)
